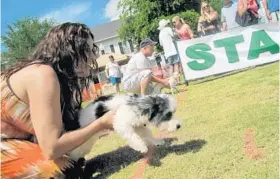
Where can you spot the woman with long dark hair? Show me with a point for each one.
(41, 97)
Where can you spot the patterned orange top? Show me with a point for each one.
(15, 114)
(19, 157)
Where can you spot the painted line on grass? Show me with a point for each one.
(140, 168)
(250, 145)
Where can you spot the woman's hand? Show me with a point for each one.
(211, 27)
(166, 83)
(189, 30)
(107, 119)
(207, 15)
(268, 15)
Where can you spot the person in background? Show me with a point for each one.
(41, 98)
(138, 75)
(166, 41)
(158, 69)
(228, 14)
(184, 32)
(272, 10)
(250, 7)
(182, 29)
(113, 71)
(262, 13)
(207, 23)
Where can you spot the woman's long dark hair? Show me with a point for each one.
(62, 48)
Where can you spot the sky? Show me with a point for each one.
(89, 12)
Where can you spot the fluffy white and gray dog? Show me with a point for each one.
(133, 115)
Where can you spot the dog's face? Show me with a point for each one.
(159, 110)
(162, 109)
(171, 126)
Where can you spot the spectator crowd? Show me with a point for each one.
(234, 13)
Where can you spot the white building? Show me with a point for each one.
(108, 40)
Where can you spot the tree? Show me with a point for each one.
(216, 5)
(22, 36)
(140, 17)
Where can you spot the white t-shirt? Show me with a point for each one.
(137, 63)
(114, 69)
(228, 15)
(165, 40)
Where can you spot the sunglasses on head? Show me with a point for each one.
(205, 6)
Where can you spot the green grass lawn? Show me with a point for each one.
(215, 115)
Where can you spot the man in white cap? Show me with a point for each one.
(166, 41)
(138, 75)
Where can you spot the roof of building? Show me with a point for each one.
(105, 31)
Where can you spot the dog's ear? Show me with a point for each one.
(170, 100)
(151, 112)
(152, 106)
(143, 102)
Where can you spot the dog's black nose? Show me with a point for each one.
(178, 126)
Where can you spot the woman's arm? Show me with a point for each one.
(223, 21)
(242, 7)
(199, 25)
(212, 15)
(210, 27)
(224, 26)
(43, 91)
(188, 28)
(267, 12)
(164, 82)
(107, 72)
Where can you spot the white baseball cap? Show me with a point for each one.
(162, 23)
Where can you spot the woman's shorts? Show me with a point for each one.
(115, 80)
(132, 84)
(174, 59)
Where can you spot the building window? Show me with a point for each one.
(131, 46)
(126, 48)
(121, 47)
(112, 48)
(102, 52)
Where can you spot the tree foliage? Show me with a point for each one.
(216, 5)
(140, 17)
(21, 37)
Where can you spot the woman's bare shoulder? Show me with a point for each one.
(39, 74)
(42, 70)
(35, 78)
